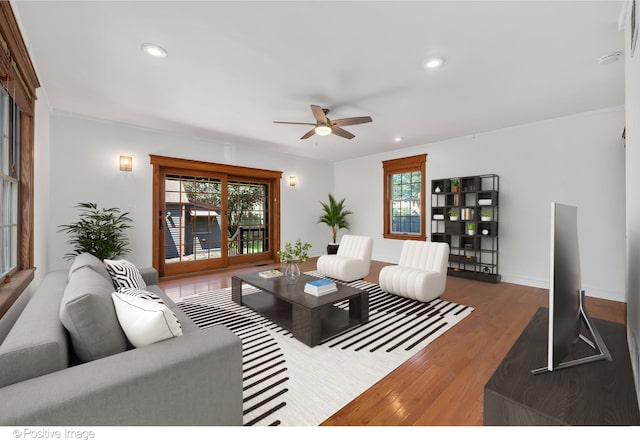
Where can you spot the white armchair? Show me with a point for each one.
(421, 273)
(352, 261)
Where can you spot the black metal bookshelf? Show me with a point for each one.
(464, 214)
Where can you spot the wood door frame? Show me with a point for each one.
(162, 164)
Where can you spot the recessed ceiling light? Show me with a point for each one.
(397, 139)
(154, 51)
(610, 58)
(433, 63)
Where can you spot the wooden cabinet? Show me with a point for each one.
(600, 393)
(464, 214)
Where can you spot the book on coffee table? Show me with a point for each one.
(320, 287)
(270, 273)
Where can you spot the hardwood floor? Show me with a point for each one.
(443, 384)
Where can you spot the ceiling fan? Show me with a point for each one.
(325, 126)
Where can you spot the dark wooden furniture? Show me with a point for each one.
(311, 319)
(600, 393)
(473, 241)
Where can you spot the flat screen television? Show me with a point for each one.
(568, 317)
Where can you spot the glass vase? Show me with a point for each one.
(292, 272)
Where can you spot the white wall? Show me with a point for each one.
(577, 160)
(632, 107)
(41, 186)
(84, 168)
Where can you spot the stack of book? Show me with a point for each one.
(270, 273)
(320, 287)
(467, 214)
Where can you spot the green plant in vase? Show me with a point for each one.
(486, 214)
(471, 228)
(291, 255)
(453, 214)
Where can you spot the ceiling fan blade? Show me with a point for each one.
(295, 123)
(318, 113)
(341, 132)
(308, 134)
(351, 121)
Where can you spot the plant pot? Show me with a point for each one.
(485, 219)
(332, 248)
(453, 218)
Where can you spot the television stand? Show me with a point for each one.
(597, 344)
(598, 393)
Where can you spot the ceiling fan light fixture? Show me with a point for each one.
(154, 50)
(433, 63)
(322, 130)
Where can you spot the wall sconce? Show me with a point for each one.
(292, 181)
(126, 163)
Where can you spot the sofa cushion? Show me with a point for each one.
(87, 312)
(124, 274)
(87, 259)
(37, 343)
(144, 317)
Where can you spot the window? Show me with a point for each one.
(404, 201)
(9, 182)
(19, 79)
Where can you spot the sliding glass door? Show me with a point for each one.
(209, 219)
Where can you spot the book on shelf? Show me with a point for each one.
(320, 287)
(270, 273)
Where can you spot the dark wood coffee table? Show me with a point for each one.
(311, 319)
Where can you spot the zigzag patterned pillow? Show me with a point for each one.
(124, 274)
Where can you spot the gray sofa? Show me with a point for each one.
(193, 379)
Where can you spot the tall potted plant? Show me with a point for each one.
(334, 215)
(100, 232)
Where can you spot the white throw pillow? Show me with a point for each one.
(145, 321)
(124, 274)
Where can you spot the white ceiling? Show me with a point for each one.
(235, 67)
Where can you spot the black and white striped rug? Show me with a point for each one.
(288, 383)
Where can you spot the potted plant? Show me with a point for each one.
(291, 256)
(453, 214)
(486, 214)
(100, 232)
(335, 216)
(471, 228)
(455, 184)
